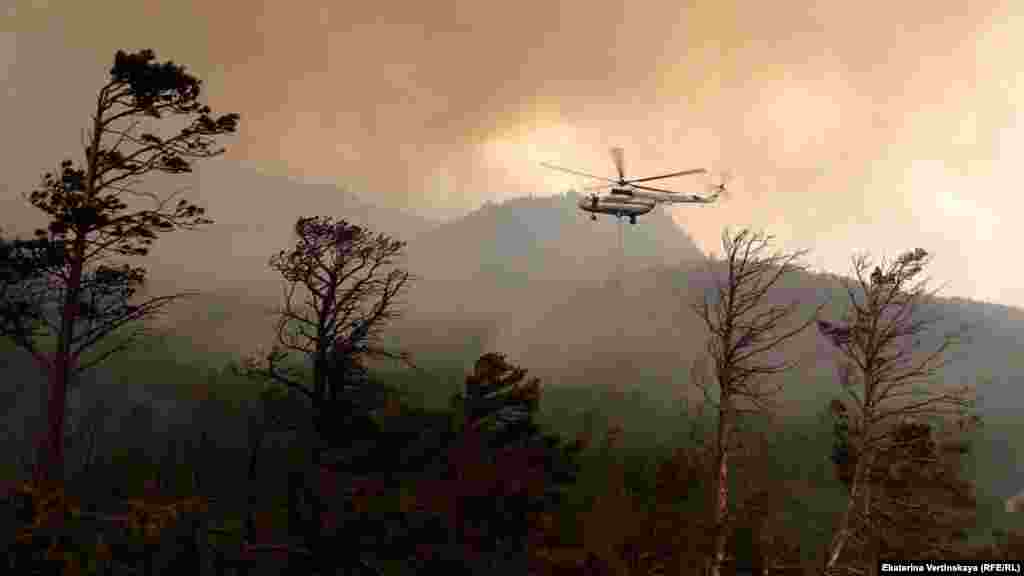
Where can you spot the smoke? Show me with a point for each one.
(822, 110)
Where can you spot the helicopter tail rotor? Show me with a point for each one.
(721, 189)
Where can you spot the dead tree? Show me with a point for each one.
(744, 327)
(888, 375)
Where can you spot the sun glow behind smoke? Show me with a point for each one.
(517, 157)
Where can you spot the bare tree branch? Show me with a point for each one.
(351, 286)
(880, 344)
(743, 327)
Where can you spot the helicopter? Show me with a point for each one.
(627, 198)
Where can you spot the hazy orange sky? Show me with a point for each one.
(875, 126)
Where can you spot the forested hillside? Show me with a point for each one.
(353, 390)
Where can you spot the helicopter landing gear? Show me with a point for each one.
(632, 219)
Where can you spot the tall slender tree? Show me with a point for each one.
(84, 297)
(744, 328)
(889, 366)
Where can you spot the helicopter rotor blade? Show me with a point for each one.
(618, 156)
(653, 189)
(559, 168)
(682, 173)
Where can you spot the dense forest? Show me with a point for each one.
(449, 402)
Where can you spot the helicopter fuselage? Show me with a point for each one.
(617, 205)
(635, 194)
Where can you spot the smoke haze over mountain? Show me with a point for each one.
(873, 126)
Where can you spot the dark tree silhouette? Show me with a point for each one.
(924, 505)
(743, 328)
(501, 471)
(24, 265)
(342, 286)
(82, 298)
(919, 498)
(498, 398)
(888, 373)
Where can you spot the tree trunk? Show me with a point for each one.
(312, 533)
(52, 458)
(721, 497)
(256, 437)
(843, 531)
(871, 536)
(51, 442)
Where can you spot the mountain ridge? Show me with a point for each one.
(538, 280)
